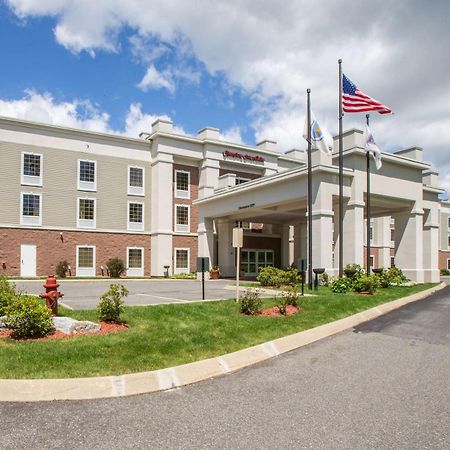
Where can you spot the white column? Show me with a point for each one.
(285, 246)
(300, 243)
(209, 177)
(354, 233)
(409, 244)
(225, 248)
(206, 241)
(382, 240)
(431, 246)
(162, 214)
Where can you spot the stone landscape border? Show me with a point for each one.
(173, 377)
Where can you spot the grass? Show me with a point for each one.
(168, 335)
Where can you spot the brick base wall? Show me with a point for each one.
(443, 256)
(51, 249)
(190, 242)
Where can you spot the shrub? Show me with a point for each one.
(111, 303)
(291, 296)
(7, 294)
(27, 317)
(359, 270)
(392, 276)
(62, 268)
(445, 272)
(292, 276)
(367, 283)
(341, 285)
(250, 303)
(271, 276)
(115, 267)
(324, 279)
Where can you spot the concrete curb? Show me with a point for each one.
(164, 379)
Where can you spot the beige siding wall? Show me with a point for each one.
(59, 191)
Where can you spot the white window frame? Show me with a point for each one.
(86, 223)
(392, 261)
(180, 270)
(87, 185)
(182, 228)
(31, 220)
(448, 263)
(135, 271)
(30, 180)
(181, 193)
(135, 226)
(372, 260)
(135, 190)
(86, 271)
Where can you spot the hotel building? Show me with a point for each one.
(159, 201)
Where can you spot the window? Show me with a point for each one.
(448, 264)
(371, 234)
(135, 262)
(254, 260)
(85, 261)
(135, 180)
(372, 261)
(181, 260)
(30, 207)
(32, 169)
(135, 216)
(448, 224)
(182, 184)
(86, 213)
(244, 225)
(448, 240)
(392, 261)
(240, 180)
(87, 175)
(182, 218)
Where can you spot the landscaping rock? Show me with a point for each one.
(68, 325)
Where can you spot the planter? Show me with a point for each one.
(350, 272)
(214, 275)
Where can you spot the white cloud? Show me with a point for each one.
(232, 134)
(157, 80)
(392, 50)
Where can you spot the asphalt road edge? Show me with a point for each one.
(159, 380)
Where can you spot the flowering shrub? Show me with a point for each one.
(250, 303)
(111, 303)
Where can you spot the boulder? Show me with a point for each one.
(68, 325)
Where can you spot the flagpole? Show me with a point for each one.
(308, 107)
(368, 205)
(341, 178)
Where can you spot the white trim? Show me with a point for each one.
(86, 271)
(180, 193)
(135, 271)
(30, 180)
(372, 260)
(85, 223)
(179, 270)
(448, 263)
(31, 220)
(182, 228)
(242, 180)
(135, 190)
(87, 185)
(135, 226)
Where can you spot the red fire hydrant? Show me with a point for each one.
(52, 294)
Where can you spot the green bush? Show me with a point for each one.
(115, 267)
(271, 276)
(324, 279)
(7, 294)
(359, 270)
(62, 268)
(291, 296)
(445, 272)
(27, 317)
(250, 303)
(392, 276)
(111, 303)
(341, 285)
(366, 283)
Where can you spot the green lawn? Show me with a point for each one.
(168, 335)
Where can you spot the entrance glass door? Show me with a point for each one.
(253, 260)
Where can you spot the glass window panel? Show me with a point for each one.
(244, 256)
(87, 171)
(252, 256)
(32, 165)
(269, 258)
(86, 210)
(182, 180)
(251, 268)
(134, 258)
(182, 215)
(136, 176)
(135, 212)
(31, 205)
(86, 257)
(182, 259)
(261, 257)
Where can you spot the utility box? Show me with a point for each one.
(202, 264)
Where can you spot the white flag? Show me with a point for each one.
(317, 137)
(372, 147)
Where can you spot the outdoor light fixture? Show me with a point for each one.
(61, 236)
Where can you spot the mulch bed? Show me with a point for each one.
(275, 311)
(106, 328)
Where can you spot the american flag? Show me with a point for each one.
(353, 100)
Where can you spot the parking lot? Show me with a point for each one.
(85, 294)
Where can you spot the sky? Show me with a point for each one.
(242, 66)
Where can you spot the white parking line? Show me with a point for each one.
(160, 296)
